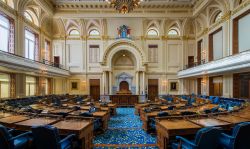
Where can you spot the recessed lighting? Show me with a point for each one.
(123, 55)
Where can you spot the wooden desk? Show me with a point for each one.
(139, 106)
(83, 129)
(243, 113)
(99, 114)
(4, 114)
(27, 124)
(124, 100)
(85, 107)
(210, 122)
(112, 107)
(232, 119)
(11, 120)
(61, 111)
(169, 128)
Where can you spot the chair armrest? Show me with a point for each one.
(69, 137)
(225, 136)
(21, 135)
(185, 141)
(11, 130)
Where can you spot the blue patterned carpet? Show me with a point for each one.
(125, 131)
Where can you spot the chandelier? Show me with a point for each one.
(124, 6)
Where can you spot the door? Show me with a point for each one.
(95, 89)
(199, 86)
(152, 89)
(190, 61)
(199, 51)
(56, 61)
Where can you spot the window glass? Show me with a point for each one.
(29, 45)
(4, 33)
(74, 32)
(4, 86)
(94, 32)
(173, 32)
(152, 32)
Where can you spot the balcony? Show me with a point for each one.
(233, 63)
(20, 63)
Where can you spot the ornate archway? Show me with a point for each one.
(138, 58)
(122, 45)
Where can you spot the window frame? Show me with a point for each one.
(29, 41)
(5, 28)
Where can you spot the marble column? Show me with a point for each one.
(110, 83)
(137, 82)
(143, 82)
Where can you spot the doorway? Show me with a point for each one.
(152, 89)
(190, 61)
(95, 89)
(124, 86)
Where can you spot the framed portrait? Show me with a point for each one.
(74, 85)
(173, 86)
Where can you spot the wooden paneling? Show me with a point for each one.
(153, 89)
(211, 86)
(124, 100)
(95, 89)
(199, 51)
(124, 86)
(199, 86)
(236, 85)
(190, 61)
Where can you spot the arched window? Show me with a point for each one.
(4, 33)
(173, 32)
(74, 32)
(152, 32)
(218, 17)
(94, 32)
(28, 16)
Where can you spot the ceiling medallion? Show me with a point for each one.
(124, 6)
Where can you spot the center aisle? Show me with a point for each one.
(125, 131)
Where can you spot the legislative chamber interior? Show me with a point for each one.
(124, 74)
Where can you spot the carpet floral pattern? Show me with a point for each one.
(125, 131)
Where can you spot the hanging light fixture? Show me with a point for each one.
(124, 6)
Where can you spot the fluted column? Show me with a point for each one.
(110, 82)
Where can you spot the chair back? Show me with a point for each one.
(46, 137)
(162, 114)
(5, 137)
(207, 138)
(86, 114)
(241, 133)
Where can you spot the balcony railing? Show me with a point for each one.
(191, 65)
(16, 61)
(53, 64)
(46, 62)
(232, 63)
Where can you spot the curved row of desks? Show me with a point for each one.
(176, 124)
(81, 126)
